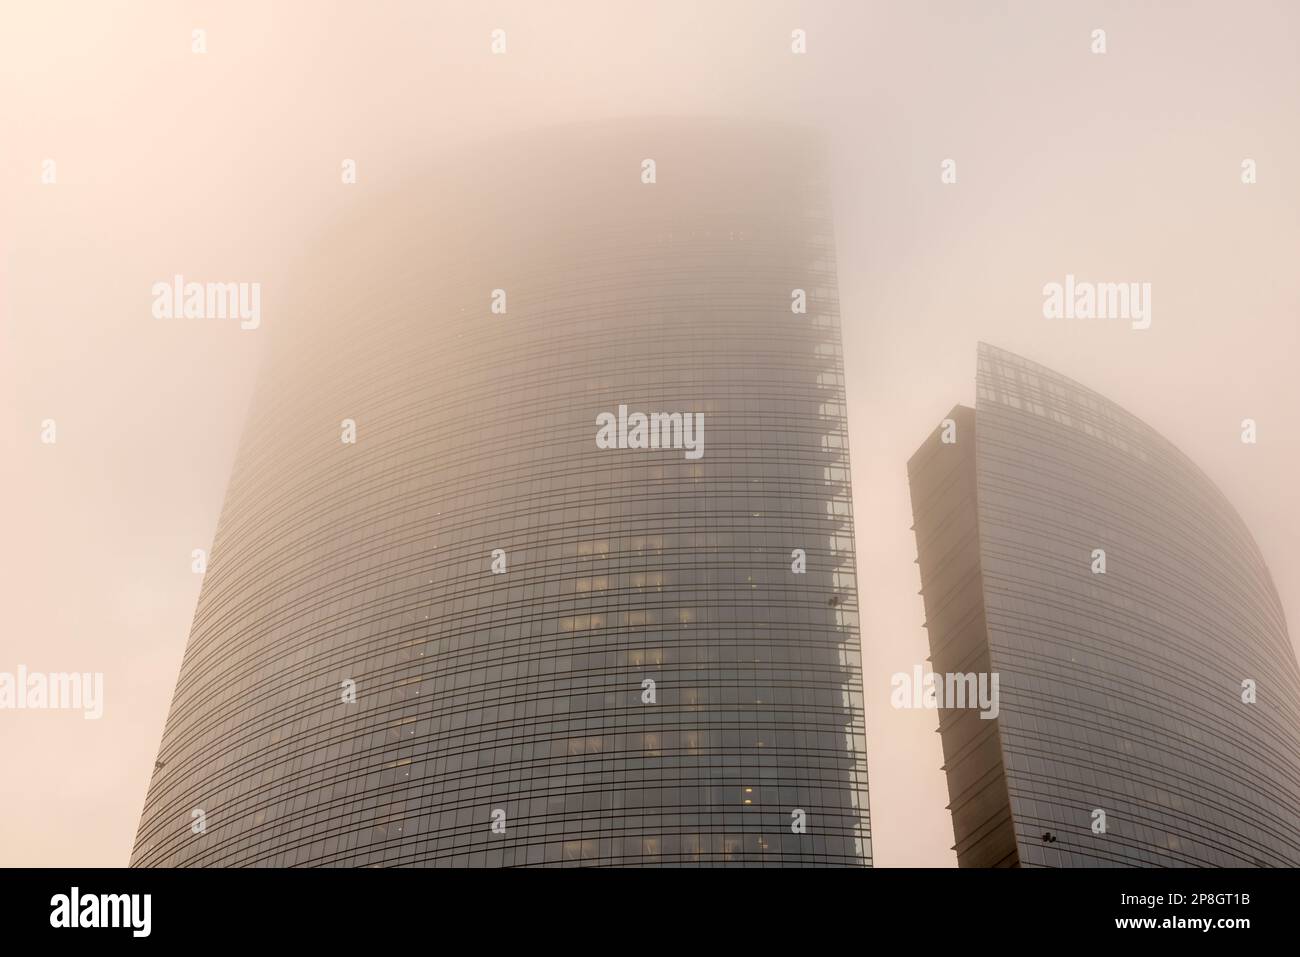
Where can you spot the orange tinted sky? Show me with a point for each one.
(1119, 167)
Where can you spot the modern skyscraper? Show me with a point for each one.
(1149, 706)
(563, 647)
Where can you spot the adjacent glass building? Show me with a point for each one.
(1122, 691)
(560, 654)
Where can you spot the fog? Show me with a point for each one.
(1119, 167)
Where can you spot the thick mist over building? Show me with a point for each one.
(229, 166)
(443, 622)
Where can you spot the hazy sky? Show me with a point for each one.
(1124, 166)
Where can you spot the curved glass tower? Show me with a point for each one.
(446, 621)
(1149, 694)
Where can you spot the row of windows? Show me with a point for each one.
(1122, 691)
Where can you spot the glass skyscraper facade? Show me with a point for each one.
(560, 654)
(1160, 688)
